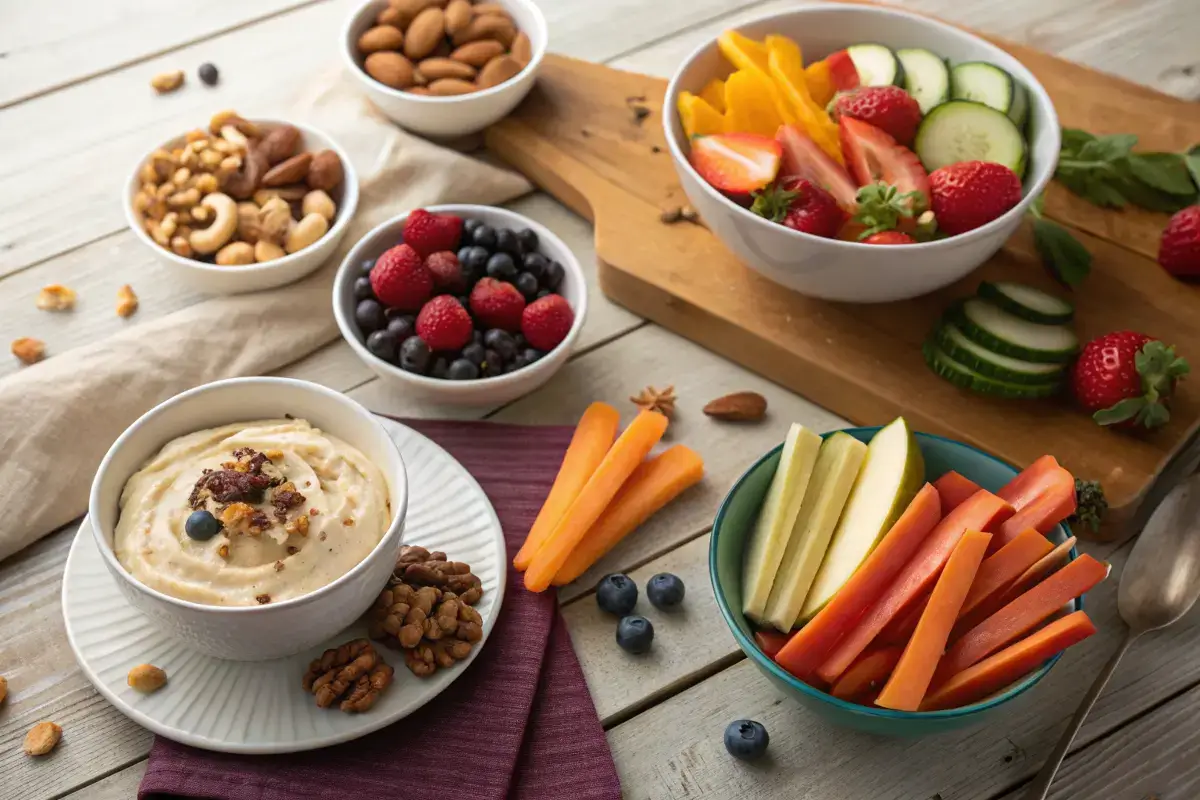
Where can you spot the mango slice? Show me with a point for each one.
(699, 118)
(742, 51)
(750, 103)
(714, 94)
(786, 67)
(820, 82)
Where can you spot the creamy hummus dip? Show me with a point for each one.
(296, 508)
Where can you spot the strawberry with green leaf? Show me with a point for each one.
(882, 208)
(801, 205)
(1126, 379)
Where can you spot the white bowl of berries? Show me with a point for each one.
(462, 304)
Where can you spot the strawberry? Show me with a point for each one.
(970, 194)
(1179, 251)
(447, 274)
(799, 204)
(1126, 379)
(889, 108)
(400, 279)
(889, 237)
(497, 304)
(842, 71)
(547, 321)
(429, 233)
(802, 158)
(736, 163)
(444, 324)
(874, 157)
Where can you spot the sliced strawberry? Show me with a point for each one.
(842, 71)
(736, 163)
(875, 157)
(803, 158)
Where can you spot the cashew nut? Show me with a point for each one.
(305, 232)
(224, 224)
(267, 251)
(235, 254)
(318, 202)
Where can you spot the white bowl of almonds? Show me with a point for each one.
(243, 205)
(445, 67)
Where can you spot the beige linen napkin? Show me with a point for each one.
(58, 417)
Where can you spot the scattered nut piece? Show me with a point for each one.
(146, 678)
(167, 81)
(56, 297)
(3, 688)
(353, 673)
(661, 401)
(263, 598)
(738, 407)
(29, 350)
(42, 738)
(127, 301)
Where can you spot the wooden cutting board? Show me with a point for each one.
(593, 137)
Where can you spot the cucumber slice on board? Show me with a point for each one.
(1009, 335)
(926, 77)
(962, 130)
(876, 65)
(1003, 368)
(961, 375)
(1027, 302)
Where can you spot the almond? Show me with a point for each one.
(290, 171)
(738, 407)
(458, 16)
(390, 69)
(488, 26)
(497, 71)
(478, 53)
(280, 143)
(381, 37)
(424, 34)
(146, 678)
(392, 16)
(491, 8)
(410, 8)
(42, 738)
(435, 68)
(326, 171)
(447, 87)
(421, 90)
(522, 49)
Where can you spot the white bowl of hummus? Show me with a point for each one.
(254, 518)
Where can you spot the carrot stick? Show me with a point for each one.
(656, 482)
(910, 679)
(1041, 569)
(954, 490)
(867, 675)
(900, 629)
(914, 579)
(770, 642)
(810, 645)
(593, 437)
(992, 674)
(1029, 483)
(1022, 615)
(1055, 503)
(634, 443)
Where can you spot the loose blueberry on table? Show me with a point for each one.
(635, 634)
(746, 739)
(665, 590)
(460, 299)
(616, 594)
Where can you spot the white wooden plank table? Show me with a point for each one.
(76, 112)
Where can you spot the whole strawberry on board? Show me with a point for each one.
(1126, 379)
(970, 194)
(801, 205)
(1179, 250)
(889, 108)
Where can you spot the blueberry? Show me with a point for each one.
(664, 590)
(414, 355)
(520, 340)
(553, 276)
(403, 326)
(369, 315)
(531, 355)
(527, 285)
(635, 634)
(477, 336)
(471, 224)
(441, 368)
(528, 240)
(362, 289)
(208, 74)
(535, 264)
(746, 739)
(484, 236)
(201, 525)
(616, 594)
(473, 260)
(474, 353)
(493, 364)
(506, 242)
(462, 370)
(543, 293)
(501, 267)
(502, 342)
(517, 363)
(367, 265)
(383, 344)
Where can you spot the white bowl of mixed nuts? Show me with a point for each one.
(243, 205)
(445, 67)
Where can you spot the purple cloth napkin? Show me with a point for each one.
(519, 725)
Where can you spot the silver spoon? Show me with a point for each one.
(1161, 581)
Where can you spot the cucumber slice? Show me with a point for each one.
(876, 65)
(962, 375)
(994, 365)
(1020, 104)
(1027, 302)
(962, 130)
(982, 83)
(1009, 335)
(926, 77)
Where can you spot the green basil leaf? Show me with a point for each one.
(1146, 196)
(1073, 139)
(1191, 159)
(1108, 148)
(1165, 172)
(1064, 256)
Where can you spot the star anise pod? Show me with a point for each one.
(661, 401)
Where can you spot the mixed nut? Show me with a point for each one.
(444, 47)
(238, 193)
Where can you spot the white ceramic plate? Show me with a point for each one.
(259, 707)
